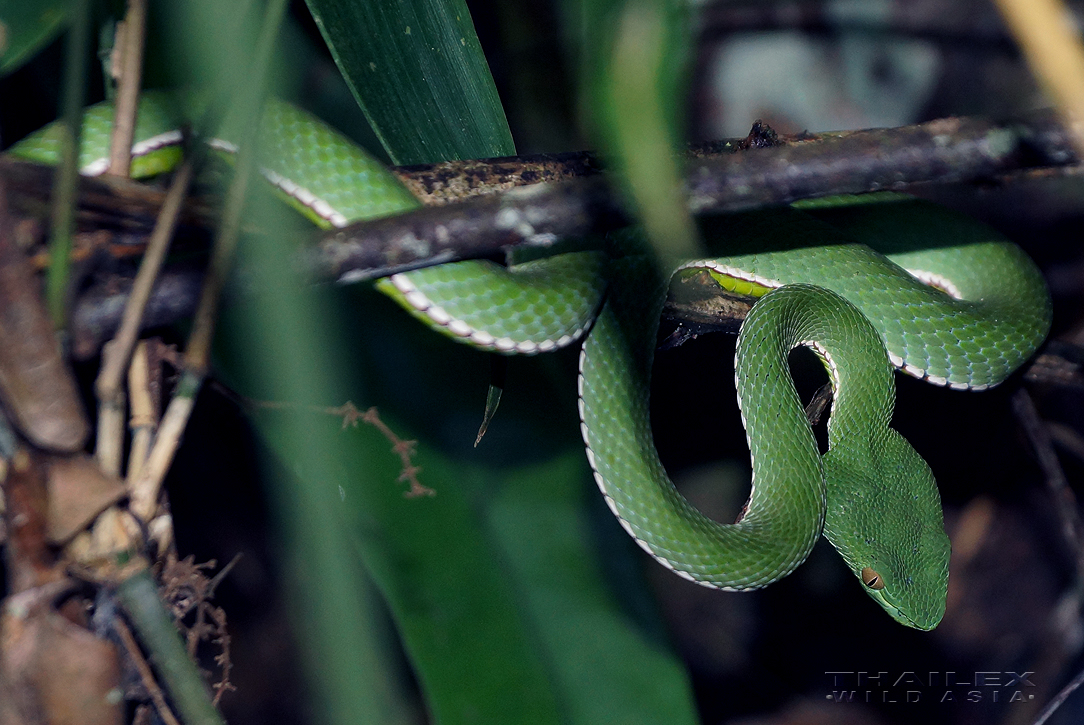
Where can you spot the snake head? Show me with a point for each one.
(884, 517)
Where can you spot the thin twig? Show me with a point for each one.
(145, 490)
(818, 404)
(108, 384)
(350, 415)
(109, 443)
(126, 108)
(147, 484)
(222, 659)
(143, 425)
(146, 675)
(1064, 500)
(222, 574)
(402, 448)
(116, 356)
(1060, 698)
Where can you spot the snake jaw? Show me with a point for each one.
(898, 614)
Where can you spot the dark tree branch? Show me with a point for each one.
(104, 201)
(505, 208)
(526, 216)
(943, 151)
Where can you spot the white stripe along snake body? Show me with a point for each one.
(871, 493)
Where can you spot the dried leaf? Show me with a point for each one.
(53, 671)
(78, 491)
(35, 384)
(30, 560)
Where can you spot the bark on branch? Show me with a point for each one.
(717, 180)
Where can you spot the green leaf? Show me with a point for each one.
(455, 607)
(494, 585)
(608, 667)
(345, 522)
(454, 610)
(418, 72)
(288, 350)
(635, 53)
(27, 26)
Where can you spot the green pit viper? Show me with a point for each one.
(965, 316)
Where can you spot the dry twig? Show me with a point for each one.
(130, 37)
(351, 415)
(117, 356)
(1059, 699)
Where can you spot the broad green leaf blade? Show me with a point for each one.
(287, 350)
(498, 593)
(27, 26)
(418, 72)
(607, 666)
(456, 609)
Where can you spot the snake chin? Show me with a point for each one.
(924, 624)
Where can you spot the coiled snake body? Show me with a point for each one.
(983, 312)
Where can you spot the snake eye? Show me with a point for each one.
(872, 579)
